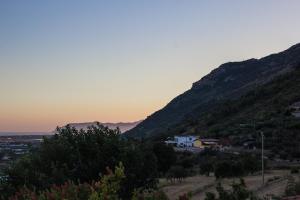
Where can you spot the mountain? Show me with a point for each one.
(123, 126)
(227, 82)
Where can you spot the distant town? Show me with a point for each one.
(14, 146)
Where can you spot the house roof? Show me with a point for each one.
(209, 140)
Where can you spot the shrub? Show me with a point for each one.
(106, 188)
(238, 191)
(176, 173)
(294, 170)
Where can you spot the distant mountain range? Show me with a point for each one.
(123, 126)
(230, 81)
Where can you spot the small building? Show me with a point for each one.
(182, 141)
(295, 109)
(206, 143)
(185, 141)
(193, 141)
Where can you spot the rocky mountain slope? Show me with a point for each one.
(228, 82)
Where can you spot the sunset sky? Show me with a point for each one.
(67, 61)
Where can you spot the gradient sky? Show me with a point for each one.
(67, 61)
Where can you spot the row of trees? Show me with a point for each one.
(238, 191)
(107, 188)
(223, 165)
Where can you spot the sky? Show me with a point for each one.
(64, 61)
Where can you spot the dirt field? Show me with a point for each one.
(199, 185)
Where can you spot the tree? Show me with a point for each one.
(72, 155)
(238, 192)
(176, 173)
(2, 154)
(166, 156)
(206, 168)
(106, 188)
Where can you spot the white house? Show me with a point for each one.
(182, 141)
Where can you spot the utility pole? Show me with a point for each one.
(262, 158)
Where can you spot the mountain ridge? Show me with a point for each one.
(229, 81)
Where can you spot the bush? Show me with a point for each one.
(106, 188)
(294, 170)
(232, 165)
(166, 156)
(176, 173)
(238, 191)
(206, 168)
(225, 169)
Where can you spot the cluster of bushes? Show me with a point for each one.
(238, 191)
(81, 156)
(176, 173)
(224, 165)
(185, 165)
(107, 188)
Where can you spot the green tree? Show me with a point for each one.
(238, 191)
(166, 156)
(72, 155)
(176, 173)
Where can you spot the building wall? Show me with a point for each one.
(198, 144)
(184, 141)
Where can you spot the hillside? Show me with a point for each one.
(230, 81)
(266, 109)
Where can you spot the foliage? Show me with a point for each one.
(176, 173)
(166, 156)
(2, 154)
(226, 165)
(295, 170)
(106, 188)
(72, 155)
(238, 192)
(186, 159)
(263, 108)
(206, 168)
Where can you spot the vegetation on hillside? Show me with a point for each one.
(262, 110)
